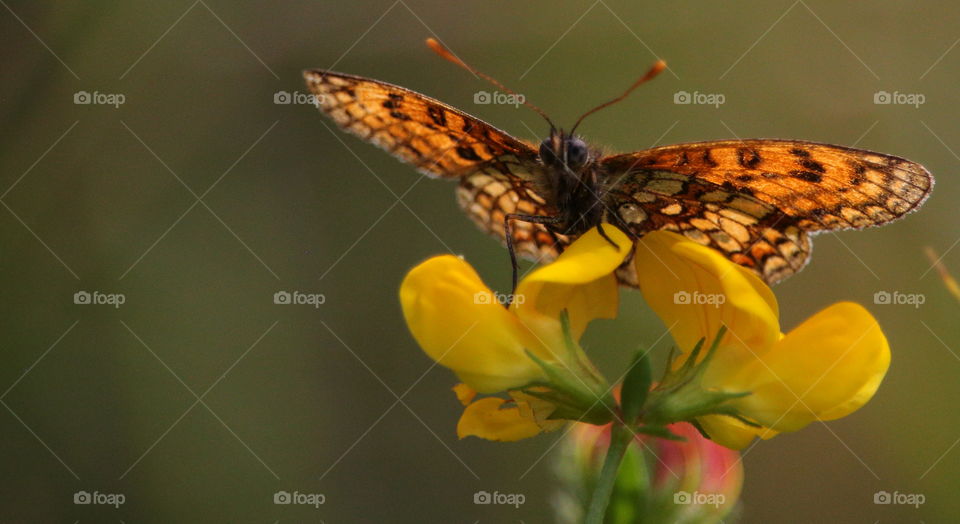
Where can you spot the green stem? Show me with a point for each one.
(619, 440)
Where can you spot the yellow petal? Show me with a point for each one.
(826, 368)
(448, 311)
(465, 394)
(580, 280)
(488, 419)
(695, 290)
(727, 431)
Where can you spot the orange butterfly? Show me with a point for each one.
(756, 201)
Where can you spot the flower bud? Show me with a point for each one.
(660, 480)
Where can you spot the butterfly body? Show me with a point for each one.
(572, 183)
(757, 201)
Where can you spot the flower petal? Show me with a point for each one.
(826, 368)
(728, 431)
(448, 310)
(465, 394)
(488, 419)
(580, 280)
(695, 290)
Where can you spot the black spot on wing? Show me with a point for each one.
(467, 153)
(808, 176)
(708, 159)
(812, 165)
(437, 114)
(748, 158)
(859, 174)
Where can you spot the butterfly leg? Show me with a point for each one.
(605, 237)
(508, 230)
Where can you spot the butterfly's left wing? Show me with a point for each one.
(438, 139)
(756, 201)
(498, 173)
(487, 199)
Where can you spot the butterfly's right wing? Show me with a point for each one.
(758, 201)
(497, 172)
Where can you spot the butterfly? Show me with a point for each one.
(756, 201)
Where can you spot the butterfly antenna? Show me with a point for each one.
(445, 53)
(653, 72)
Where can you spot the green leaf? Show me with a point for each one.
(636, 386)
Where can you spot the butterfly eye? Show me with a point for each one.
(576, 152)
(547, 154)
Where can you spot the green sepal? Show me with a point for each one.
(659, 432)
(636, 387)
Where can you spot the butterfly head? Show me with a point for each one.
(564, 150)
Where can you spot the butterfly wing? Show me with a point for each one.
(757, 200)
(497, 172)
(488, 199)
(441, 141)
(748, 231)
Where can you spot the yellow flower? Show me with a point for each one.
(463, 325)
(825, 368)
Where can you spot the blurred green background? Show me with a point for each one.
(199, 398)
